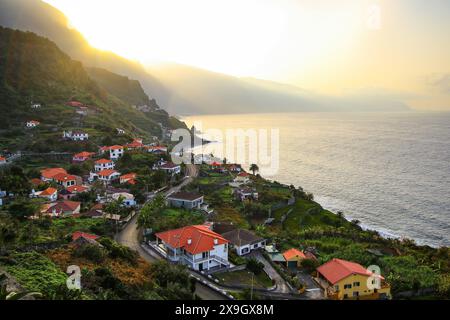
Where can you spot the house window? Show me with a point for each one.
(345, 296)
(255, 246)
(347, 286)
(356, 284)
(336, 287)
(356, 293)
(204, 255)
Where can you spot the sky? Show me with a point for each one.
(398, 48)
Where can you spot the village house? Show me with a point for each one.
(75, 104)
(64, 209)
(127, 199)
(2, 160)
(120, 131)
(187, 200)
(341, 279)
(72, 191)
(33, 124)
(135, 145)
(65, 180)
(218, 167)
(156, 149)
(234, 168)
(82, 111)
(107, 175)
(50, 194)
(170, 168)
(242, 178)
(82, 156)
(115, 152)
(81, 238)
(48, 175)
(244, 194)
(35, 105)
(294, 258)
(129, 178)
(195, 246)
(76, 135)
(103, 164)
(244, 241)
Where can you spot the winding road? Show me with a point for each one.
(131, 237)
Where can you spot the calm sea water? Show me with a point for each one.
(390, 171)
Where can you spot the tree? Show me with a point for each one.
(254, 168)
(150, 211)
(255, 266)
(23, 208)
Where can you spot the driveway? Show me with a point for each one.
(313, 291)
(282, 286)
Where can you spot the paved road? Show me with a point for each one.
(282, 286)
(131, 237)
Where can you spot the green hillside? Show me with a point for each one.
(34, 69)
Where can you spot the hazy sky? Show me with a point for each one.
(395, 47)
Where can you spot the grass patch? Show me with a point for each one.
(244, 277)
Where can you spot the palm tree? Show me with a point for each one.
(254, 168)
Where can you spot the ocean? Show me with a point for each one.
(390, 171)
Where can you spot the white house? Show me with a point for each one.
(66, 180)
(187, 200)
(82, 156)
(120, 131)
(33, 124)
(242, 177)
(2, 160)
(76, 135)
(127, 198)
(107, 175)
(49, 194)
(243, 194)
(35, 106)
(244, 241)
(103, 164)
(195, 246)
(115, 152)
(169, 167)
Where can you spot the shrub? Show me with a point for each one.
(91, 252)
(255, 266)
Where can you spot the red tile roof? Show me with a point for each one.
(169, 165)
(200, 236)
(293, 253)
(64, 206)
(76, 189)
(79, 234)
(75, 104)
(36, 181)
(52, 172)
(103, 161)
(115, 147)
(48, 192)
(107, 172)
(135, 144)
(243, 174)
(84, 154)
(62, 177)
(2, 158)
(337, 269)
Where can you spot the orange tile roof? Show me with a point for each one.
(64, 206)
(51, 172)
(83, 154)
(337, 269)
(103, 161)
(107, 172)
(128, 176)
(293, 253)
(243, 174)
(115, 147)
(36, 181)
(2, 158)
(48, 192)
(79, 234)
(62, 177)
(202, 238)
(76, 189)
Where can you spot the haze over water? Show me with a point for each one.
(390, 171)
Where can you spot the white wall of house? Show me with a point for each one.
(104, 166)
(115, 153)
(246, 249)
